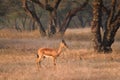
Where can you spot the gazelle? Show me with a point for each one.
(48, 52)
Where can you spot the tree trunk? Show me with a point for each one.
(110, 32)
(96, 23)
(17, 27)
(24, 22)
(32, 25)
(111, 26)
(52, 25)
(30, 10)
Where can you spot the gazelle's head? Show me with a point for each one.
(63, 44)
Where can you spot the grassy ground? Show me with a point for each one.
(18, 54)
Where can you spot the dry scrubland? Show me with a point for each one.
(18, 53)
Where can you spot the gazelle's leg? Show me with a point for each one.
(54, 61)
(38, 60)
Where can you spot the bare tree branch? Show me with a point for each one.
(105, 8)
(39, 3)
(69, 16)
(57, 2)
(46, 1)
(30, 10)
(117, 14)
(112, 11)
(24, 3)
(46, 5)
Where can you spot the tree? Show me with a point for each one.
(109, 29)
(10, 11)
(54, 28)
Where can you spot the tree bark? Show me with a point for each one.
(110, 27)
(96, 24)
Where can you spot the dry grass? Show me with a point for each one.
(78, 34)
(17, 58)
(70, 34)
(12, 33)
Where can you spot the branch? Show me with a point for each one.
(105, 9)
(30, 10)
(46, 5)
(117, 14)
(116, 23)
(39, 3)
(24, 5)
(110, 18)
(70, 14)
(113, 8)
(75, 10)
(57, 2)
(46, 1)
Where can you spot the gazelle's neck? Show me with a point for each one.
(59, 50)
